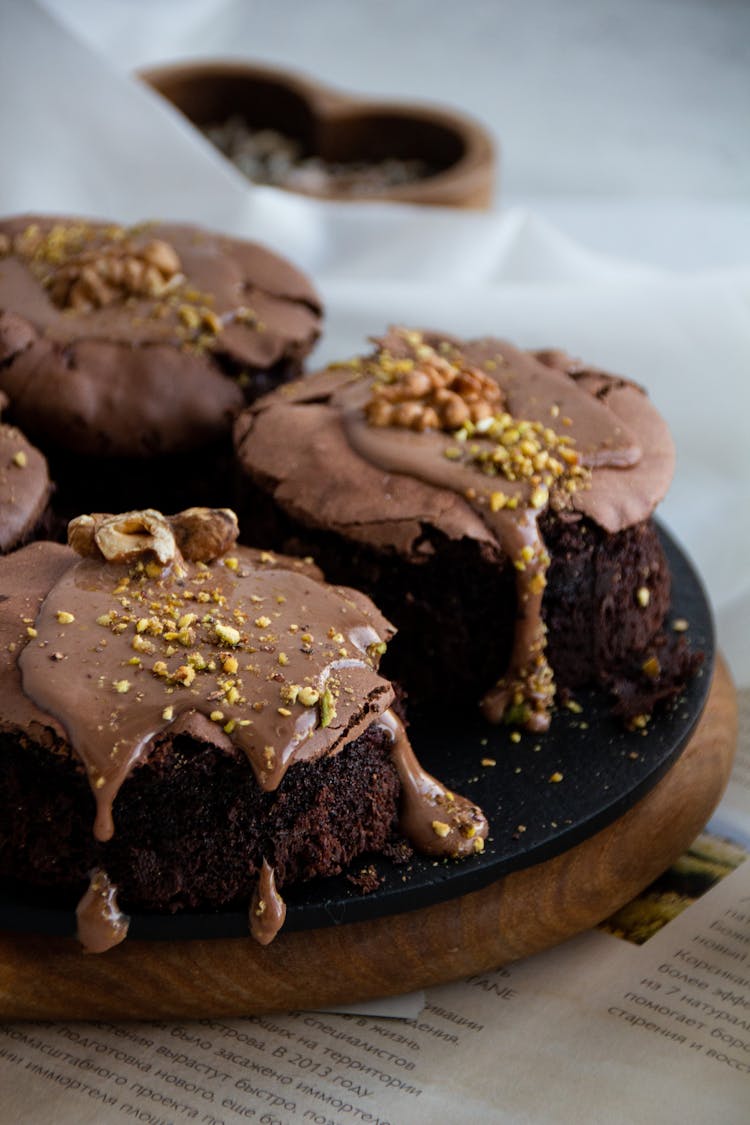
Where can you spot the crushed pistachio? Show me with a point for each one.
(327, 708)
(308, 696)
(227, 633)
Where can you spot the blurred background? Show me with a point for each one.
(626, 125)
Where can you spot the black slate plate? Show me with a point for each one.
(605, 770)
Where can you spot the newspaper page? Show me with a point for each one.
(646, 1018)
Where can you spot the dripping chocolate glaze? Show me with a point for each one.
(286, 669)
(267, 908)
(100, 923)
(437, 821)
(404, 480)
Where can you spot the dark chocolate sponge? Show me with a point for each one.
(399, 508)
(456, 607)
(192, 825)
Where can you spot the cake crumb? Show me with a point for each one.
(366, 879)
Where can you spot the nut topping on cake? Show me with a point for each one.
(429, 391)
(84, 272)
(81, 272)
(204, 534)
(195, 535)
(124, 538)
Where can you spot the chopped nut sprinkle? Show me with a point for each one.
(308, 696)
(227, 633)
(64, 617)
(440, 828)
(643, 595)
(20, 459)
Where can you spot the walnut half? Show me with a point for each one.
(197, 535)
(203, 534)
(108, 274)
(124, 538)
(431, 392)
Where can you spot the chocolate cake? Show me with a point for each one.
(24, 488)
(189, 725)
(495, 503)
(126, 352)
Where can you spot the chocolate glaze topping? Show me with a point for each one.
(24, 487)
(277, 661)
(236, 647)
(437, 821)
(101, 923)
(267, 908)
(119, 341)
(561, 436)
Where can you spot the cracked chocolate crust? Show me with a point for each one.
(109, 379)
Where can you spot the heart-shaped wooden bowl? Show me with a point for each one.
(340, 127)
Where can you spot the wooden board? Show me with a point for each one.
(523, 913)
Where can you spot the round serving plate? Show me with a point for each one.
(542, 795)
